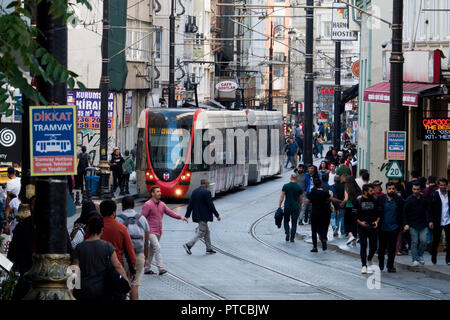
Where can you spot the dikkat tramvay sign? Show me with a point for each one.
(340, 26)
(226, 86)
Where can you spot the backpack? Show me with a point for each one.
(77, 227)
(136, 231)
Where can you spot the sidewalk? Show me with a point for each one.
(438, 271)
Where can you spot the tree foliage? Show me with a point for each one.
(20, 52)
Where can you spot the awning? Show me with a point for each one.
(380, 92)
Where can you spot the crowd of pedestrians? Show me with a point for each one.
(392, 219)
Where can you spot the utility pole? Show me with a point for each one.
(172, 101)
(337, 97)
(238, 63)
(104, 91)
(396, 119)
(271, 68)
(50, 256)
(289, 75)
(309, 84)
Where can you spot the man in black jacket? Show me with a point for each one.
(439, 219)
(391, 206)
(415, 220)
(202, 208)
(368, 217)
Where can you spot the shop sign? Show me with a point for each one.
(128, 108)
(226, 86)
(435, 129)
(395, 147)
(340, 29)
(11, 142)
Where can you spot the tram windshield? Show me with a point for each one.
(169, 140)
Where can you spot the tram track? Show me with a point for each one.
(334, 268)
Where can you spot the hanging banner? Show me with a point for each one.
(88, 108)
(340, 27)
(128, 108)
(53, 140)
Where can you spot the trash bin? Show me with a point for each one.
(92, 180)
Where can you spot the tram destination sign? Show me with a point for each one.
(435, 129)
(53, 140)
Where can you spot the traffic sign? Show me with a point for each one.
(53, 140)
(394, 171)
(395, 147)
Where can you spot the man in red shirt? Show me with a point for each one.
(117, 234)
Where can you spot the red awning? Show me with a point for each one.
(380, 92)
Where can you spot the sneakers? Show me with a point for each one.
(187, 248)
(287, 237)
(364, 270)
(292, 240)
(421, 261)
(350, 240)
(324, 245)
(300, 223)
(392, 270)
(415, 264)
(381, 263)
(210, 251)
(314, 250)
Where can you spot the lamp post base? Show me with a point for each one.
(105, 192)
(49, 277)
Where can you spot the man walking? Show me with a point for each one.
(440, 219)
(117, 234)
(138, 229)
(337, 216)
(415, 220)
(293, 194)
(291, 151)
(320, 215)
(202, 208)
(301, 181)
(367, 217)
(128, 167)
(391, 205)
(154, 211)
(343, 170)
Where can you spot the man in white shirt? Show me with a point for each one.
(13, 185)
(440, 219)
(361, 181)
(332, 174)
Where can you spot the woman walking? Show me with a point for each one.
(352, 191)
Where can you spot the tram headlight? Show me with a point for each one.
(186, 176)
(178, 192)
(149, 175)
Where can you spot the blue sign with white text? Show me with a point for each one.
(396, 145)
(53, 144)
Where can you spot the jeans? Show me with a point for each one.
(418, 242)
(388, 240)
(337, 220)
(117, 180)
(292, 216)
(370, 235)
(202, 233)
(126, 182)
(437, 232)
(305, 213)
(321, 228)
(350, 222)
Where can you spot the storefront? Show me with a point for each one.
(426, 107)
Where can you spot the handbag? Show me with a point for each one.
(115, 285)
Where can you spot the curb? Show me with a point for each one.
(431, 273)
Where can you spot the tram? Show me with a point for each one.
(179, 147)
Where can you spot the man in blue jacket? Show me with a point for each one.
(202, 208)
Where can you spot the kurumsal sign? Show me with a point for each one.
(226, 86)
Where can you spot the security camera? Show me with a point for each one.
(385, 43)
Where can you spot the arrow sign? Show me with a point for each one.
(394, 171)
